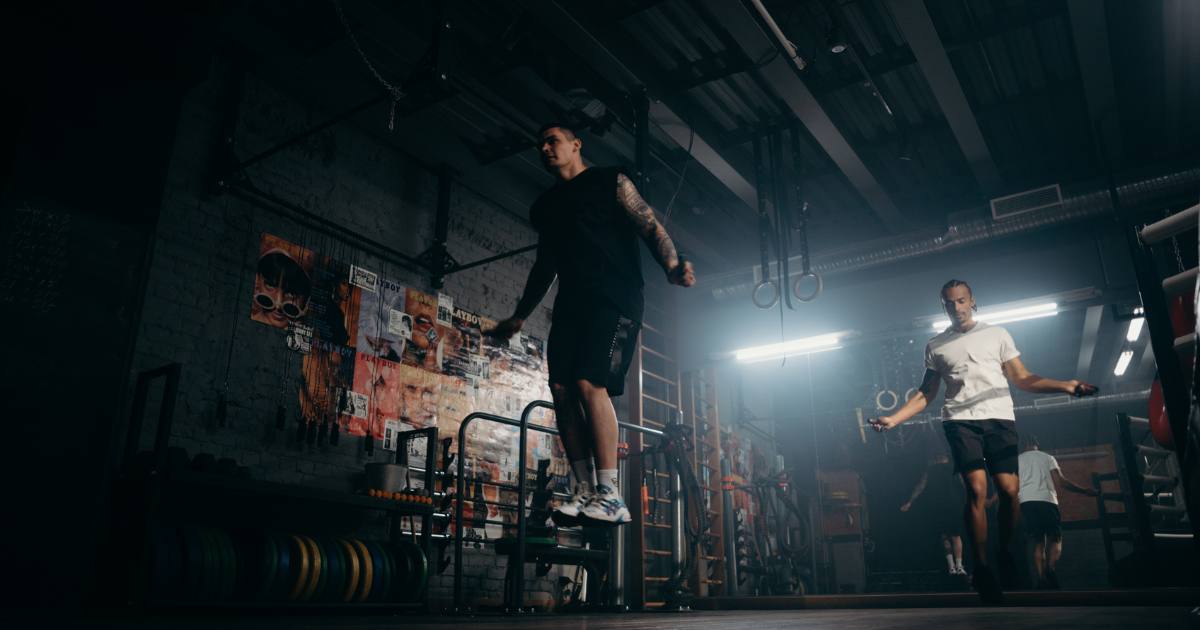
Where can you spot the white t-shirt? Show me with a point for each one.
(970, 365)
(1037, 484)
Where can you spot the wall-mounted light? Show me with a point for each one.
(804, 345)
(1123, 363)
(1005, 316)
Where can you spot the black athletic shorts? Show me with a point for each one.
(592, 342)
(1041, 518)
(975, 444)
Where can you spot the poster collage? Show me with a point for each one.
(382, 358)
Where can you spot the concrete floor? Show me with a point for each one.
(1056, 618)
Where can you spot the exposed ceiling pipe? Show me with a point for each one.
(793, 53)
(1078, 207)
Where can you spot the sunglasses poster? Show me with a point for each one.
(296, 289)
(378, 354)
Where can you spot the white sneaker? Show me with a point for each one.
(566, 514)
(605, 508)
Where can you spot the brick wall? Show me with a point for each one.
(198, 299)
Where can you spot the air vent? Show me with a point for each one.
(1028, 201)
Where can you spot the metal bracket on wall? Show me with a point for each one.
(425, 86)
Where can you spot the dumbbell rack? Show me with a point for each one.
(157, 486)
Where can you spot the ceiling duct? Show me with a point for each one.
(1009, 206)
(1075, 208)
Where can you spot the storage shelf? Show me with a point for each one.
(274, 489)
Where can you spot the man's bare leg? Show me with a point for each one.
(1009, 516)
(1039, 559)
(607, 505)
(1007, 487)
(975, 514)
(598, 410)
(568, 416)
(572, 429)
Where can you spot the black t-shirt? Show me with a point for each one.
(591, 241)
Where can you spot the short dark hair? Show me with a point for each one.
(956, 283)
(1028, 441)
(568, 131)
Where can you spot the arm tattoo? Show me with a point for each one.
(642, 216)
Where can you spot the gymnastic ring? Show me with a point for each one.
(816, 292)
(774, 294)
(912, 391)
(879, 403)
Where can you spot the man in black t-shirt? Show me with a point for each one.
(588, 228)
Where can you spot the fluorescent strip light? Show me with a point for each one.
(806, 345)
(1123, 363)
(1049, 309)
(1135, 329)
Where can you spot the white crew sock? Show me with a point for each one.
(950, 562)
(959, 565)
(585, 474)
(609, 478)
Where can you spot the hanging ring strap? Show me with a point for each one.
(763, 299)
(782, 221)
(802, 228)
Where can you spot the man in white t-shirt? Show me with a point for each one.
(1040, 474)
(977, 361)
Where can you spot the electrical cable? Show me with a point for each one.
(682, 176)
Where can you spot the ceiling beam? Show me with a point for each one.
(604, 62)
(1089, 29)
(1147, 366)
(779, 73)
(917, 28)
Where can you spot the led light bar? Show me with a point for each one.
(1049, 309)
(1135, 329)
(1123, 363)
(805, 345)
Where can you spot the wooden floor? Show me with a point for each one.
(1006, 618)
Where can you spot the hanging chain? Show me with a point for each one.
(395, 91)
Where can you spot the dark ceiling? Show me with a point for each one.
(986, 97)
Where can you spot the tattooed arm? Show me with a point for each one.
(652, 232)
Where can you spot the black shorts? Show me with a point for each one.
(592, 342)
(976, 444)
(1041, 518)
